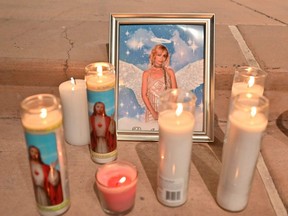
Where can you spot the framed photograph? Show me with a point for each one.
(178, 46)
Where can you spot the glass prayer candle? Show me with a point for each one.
(248, 118)
(176, 124)
(248, 79)
(100, 81)
(116, 183)
(42, 123)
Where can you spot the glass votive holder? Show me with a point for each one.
(248, 79)
(176, 125)
(248, 119)
(116, 184)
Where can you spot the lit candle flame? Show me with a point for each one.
(251, 81)
(73, 81)
(43, 113)
(249, 69)
(99, 70)
(122, 180)
(179, 109)
(253, 111)
(249, 95)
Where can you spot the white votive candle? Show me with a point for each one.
(75, 110)
(247, 121)
(176, 125)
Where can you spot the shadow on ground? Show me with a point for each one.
(282, 122)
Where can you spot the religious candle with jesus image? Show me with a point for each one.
(42, 123)
(100, 81)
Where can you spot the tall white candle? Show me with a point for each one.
(42, 122)
(240, 154)
(175, 149)
(75, 110)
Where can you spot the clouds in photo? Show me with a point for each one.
(184, 42)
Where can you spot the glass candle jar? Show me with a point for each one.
(41, 118)
(176, 124)
(100, 81)
(116, 183)
(248, 79)
(248, 118)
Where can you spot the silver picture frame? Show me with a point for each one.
(190, 41)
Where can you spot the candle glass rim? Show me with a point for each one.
(48, 101)
(126, 163)
(92, 67)
(261, 102)
(255, 71)
(170, 99)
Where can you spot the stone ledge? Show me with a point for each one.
(37, 72)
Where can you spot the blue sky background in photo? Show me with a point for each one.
(184, 42)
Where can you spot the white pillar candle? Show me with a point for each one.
(42, 122)
(175, 149)
(247, 121)
(100, 80)
(75, 110)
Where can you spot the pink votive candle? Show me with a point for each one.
(116, 183)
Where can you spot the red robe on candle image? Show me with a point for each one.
(46, 180)
(103, 134)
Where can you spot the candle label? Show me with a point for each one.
(46, 158)
(103, 126)
(106, 97)
(170, 190)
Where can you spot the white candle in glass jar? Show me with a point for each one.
(100, 81)
(240, 154)
(241, 87)
(75, 110)
(42, 122)
(175, 149)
